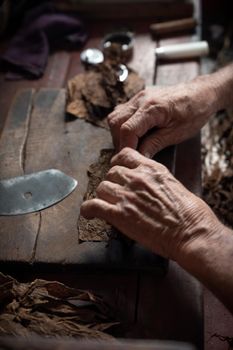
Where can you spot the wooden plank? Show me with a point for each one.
(143, 57)
(130, 10)
(188, 157)
(54, 76)
(55, 143)
(218, 322)
(13, 142)
(18, 234)
(71, 145)
(45, 157)
(39, 343)
(168, 308)
(56, 71)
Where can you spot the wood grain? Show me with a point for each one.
(55, 143)
(18, 234)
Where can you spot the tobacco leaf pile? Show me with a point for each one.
(217, 148)
(52, 309)
(94, 94)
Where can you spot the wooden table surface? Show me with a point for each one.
(168, 307)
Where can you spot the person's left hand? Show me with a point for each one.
(143, 200)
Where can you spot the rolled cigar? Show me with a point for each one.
(182, 51)
(180, 25)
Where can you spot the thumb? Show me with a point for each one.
(155, 142)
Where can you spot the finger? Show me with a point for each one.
(135, 127)
(98, 208)
(121, 114)
(129, 158)
(155, 142)
(124, 109)
(119, 175)
(109, 192)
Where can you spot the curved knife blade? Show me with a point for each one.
(33, 192)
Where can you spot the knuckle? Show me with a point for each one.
(126, 128)
(116, 170)
(113, 121)
(125, 152)
(138, 180)
(119, 109)
(113, 170)
(160, 108)
(141, 93)
(149, 102)
(162, 168)
(157, 167)
(110, 116)
(101, 187)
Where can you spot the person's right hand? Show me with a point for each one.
(159, 117)
(143, 200)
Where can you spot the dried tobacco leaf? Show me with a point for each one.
(51, 309)
(94, 94)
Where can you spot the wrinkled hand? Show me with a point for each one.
(169, 114)
(143, 200)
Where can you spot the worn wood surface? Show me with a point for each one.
(12, 163)
(50, 139)
(38, 343)
(156, 308)
(157, 10)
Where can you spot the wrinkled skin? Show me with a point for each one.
(159, 117)
(142, 199)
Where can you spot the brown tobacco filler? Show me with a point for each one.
(51, 309)
(96, 229)
(94, 94)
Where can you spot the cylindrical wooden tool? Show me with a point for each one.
(182, 51)
(166, 28)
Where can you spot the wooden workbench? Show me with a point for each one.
(167, 307)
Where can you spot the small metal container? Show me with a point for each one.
(118, 44)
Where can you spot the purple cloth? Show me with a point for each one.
(43, 29)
